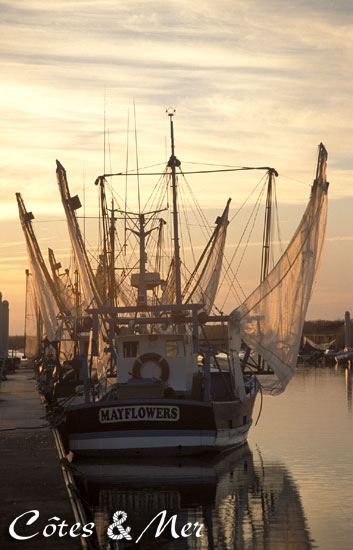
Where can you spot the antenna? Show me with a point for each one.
(104, 129)
(126, 170)
(137, 162)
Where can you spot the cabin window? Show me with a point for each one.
(130, 349)
(172, 348)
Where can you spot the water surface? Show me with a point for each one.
(290, 488)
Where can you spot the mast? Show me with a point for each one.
(141, 235)
(142, 291)
(173, 163)
(266, 241)
(112, 257)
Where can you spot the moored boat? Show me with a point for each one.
(164, 383)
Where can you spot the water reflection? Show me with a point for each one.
(242, 501)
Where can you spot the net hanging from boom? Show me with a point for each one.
(87, 278)
(270, 321)
(33, 321)
(43, 286)
(203, 284)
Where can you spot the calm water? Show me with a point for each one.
(291, 488)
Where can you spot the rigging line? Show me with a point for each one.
(251, 230)
(84, 205)
(134, 247)
(132, 172)
(199, 211)
(207, 226)
(126, 170)
(187, 276)
(182, 264)
(277, 219)
(129, 270)
(161, 188)
(209, 229)
(162, 193)
(247, 242)
(115, 195)
(211, 164)
(257, 204)
(154, 240)
(48, 221)
(231, 282)
(290, 265)
(137, 163)
(195, 274)
(195, 224)
(205, 268)
(100, 237)
(235, 278)
(247, 224)
(242, 169)
(110, 156)
(297, 181)
(153, 192)
(104, 128)
(246, 200)
(203, 291)
(187, 222)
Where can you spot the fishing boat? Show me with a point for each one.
(163, 382)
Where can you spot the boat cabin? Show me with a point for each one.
(165, 357)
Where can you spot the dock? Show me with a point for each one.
(31, 476)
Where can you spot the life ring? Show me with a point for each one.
(161, 362)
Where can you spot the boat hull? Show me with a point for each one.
(158, 426)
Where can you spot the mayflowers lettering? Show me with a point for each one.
(138, 413)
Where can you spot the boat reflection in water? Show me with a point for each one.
(242, 501)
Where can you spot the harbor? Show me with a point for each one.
(276, 492)
(176, 316)
(142, 396)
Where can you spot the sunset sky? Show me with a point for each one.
(253, 83)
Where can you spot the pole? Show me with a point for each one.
(112, 258)
(142, 297)
(173, 163)
(26, 309)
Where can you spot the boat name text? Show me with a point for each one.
(138, 413)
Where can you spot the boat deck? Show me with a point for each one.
(30, 473)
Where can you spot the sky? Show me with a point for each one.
(253, 83)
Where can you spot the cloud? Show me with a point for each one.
(254, 83)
